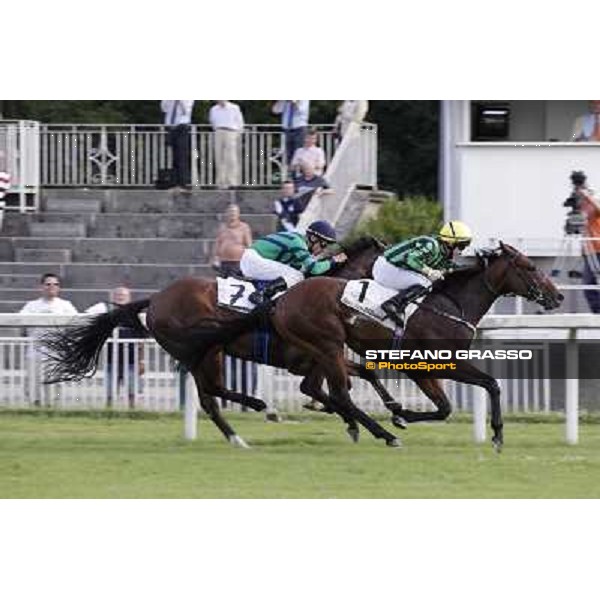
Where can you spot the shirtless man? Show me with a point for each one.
(233, 237)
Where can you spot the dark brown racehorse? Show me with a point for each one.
(186, 321)
(450, 313)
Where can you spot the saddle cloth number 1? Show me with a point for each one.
(367, 296)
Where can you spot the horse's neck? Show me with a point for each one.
(472, 295)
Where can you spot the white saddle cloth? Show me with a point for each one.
(366, 297)
(234, 293)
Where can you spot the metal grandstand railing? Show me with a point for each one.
(131, 155)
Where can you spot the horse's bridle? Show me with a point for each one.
(533, 293)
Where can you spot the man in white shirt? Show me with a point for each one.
(227, 121)
(48, 303)
(309, 154)
(178, 116)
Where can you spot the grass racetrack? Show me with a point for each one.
(98, 456)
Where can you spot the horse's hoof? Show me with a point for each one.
(394, 443)
(353, 433)
(497, 445)
(315, 406)
(273, 417)
(238, 442)
(399, 421)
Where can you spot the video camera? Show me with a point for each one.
(576, 220)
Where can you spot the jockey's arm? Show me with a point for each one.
(312, 266)
(415, 259)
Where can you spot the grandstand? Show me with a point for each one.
(87, 208)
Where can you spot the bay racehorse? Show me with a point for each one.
(450, 312)
(187, 322)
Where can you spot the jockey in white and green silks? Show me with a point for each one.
(286, 257)
(412, 266)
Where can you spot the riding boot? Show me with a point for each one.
(273, 287)
(394, 307)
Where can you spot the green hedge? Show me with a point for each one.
(399, 220)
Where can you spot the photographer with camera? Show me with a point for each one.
(584, 217)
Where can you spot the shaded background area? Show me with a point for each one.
(408, 129)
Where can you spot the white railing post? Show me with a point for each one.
(479, 414)
(190, 430)
(572, 390)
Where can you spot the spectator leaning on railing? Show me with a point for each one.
(309, 185)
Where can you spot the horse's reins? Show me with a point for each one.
(533, 294)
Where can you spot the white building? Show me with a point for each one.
(505, 168)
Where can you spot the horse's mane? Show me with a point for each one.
(354, 247)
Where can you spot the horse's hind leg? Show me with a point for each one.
(337, 377)
(204, 375)
(432, 388)
(312, 385)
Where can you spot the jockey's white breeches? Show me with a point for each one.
(254, 266)
(396, 278)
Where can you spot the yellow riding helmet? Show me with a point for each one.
(456, 232)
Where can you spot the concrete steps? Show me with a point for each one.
(57, 229)
(161, 202)
(98, 239)
(42, 255)
(27, 268)
(125, 225)
(121, 251)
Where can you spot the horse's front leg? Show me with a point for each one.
(468, 373)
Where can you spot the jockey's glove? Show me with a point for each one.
(432, 274)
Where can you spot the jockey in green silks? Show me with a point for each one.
(285, 258)
(412, 266)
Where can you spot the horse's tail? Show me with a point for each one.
(73, 353)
